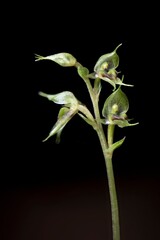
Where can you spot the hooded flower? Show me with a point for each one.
(115, 109)
(105, 68)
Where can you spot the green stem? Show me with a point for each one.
(111, 181)
(113, 197)
(94, 100)
(108, 161)
(110, 134)
(112, 186)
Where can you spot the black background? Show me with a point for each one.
(51, 191)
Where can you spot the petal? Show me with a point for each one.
(64, 117)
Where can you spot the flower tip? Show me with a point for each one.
(133, 124)
(39, 93)
(42, 94)
(124, 84)
(38, 57)
(118, 47)
(44, 140)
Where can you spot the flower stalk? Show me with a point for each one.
(114, 112)
(108, 160)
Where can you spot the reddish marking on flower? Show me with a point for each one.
(115, 117)
(110, 76)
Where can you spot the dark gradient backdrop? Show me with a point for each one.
(59, 192)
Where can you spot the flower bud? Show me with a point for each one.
(65, 98)
(64, 59)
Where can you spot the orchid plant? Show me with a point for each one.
(114, 112)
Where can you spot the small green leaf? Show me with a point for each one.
(92, 75)
(64, 59)
(65, 97)
(116, 144)
(83, 109)
(97, 86)
(82, 71)
(87, 120)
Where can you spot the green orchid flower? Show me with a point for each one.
(105, 69)
(115, 109)
(71, 106)
(69, 109)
